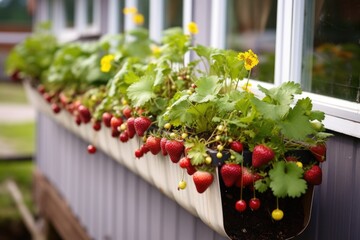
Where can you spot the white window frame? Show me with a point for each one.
(81, 28)
(340, 115)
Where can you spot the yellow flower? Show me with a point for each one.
(246, 87)
(105, 62)
(193, 28)
(138, 19)
(250, 59)
(155, 50)
(129, 10)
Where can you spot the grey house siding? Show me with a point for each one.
(113, 203)
(109, 200)
(336, 205)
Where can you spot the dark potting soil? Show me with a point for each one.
(259, 224)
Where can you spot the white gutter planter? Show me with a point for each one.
(215, 206)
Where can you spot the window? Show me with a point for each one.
(305, 31)
(144, 9)
(331, 51)
(173, 13)
(90, 12)
(252, 25)
(69, 6)
(14, 15)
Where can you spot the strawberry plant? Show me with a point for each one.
(202, 115)
(32, 58)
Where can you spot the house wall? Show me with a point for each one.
(108, 199)
(113, 203)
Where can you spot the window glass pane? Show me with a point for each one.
(50, 9)
(121, 16)
(173, 13)
(144, 8)
(90, 12)
(14, 15)
(251, 24)
(69, 13)
(331, 59)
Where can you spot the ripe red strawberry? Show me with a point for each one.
(175, 149)
(185, 162)
(144, 148)
(41, 89)
(139, 153)
(63, 99)
(254, 203)
(55, 107)
(91, 149)
(77, 120)
(319, 151)
(191, 170)
(262, 155)
(124, 137)
(236, 146)
(106, 118)
(162, 145)
(291, 159)
(313, 175)
(230, 173)
(130, 127)
(84, 113)
(97, 125)
(115, 133)
(202, 180)
(127, 112)
(47, 97)
(141, 124)
(153, 143)
(248, 178)
(240, 205)
(115, 122)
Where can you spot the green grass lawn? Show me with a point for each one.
(20, 137)
(12, 93)
(21, 173)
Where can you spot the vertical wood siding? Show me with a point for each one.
(113, 203)
(109, 200)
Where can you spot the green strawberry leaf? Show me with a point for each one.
(270, 110)
(296, 125)
(206, 90)
(283, 94)
(197, 152)
(287, 180)
(262, 185)
(238, 157)
(142, 91)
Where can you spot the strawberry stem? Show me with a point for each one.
(242, 177)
